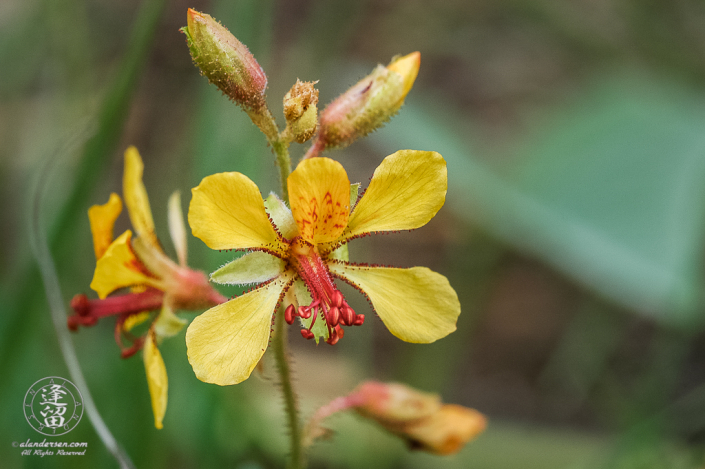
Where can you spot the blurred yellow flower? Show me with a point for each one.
(155, 281)
(298, 253)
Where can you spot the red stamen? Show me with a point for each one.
(347, 316)
(148, 300)
(360, 320)
(333, 316)
(136, 347)
(333, 338)
(289, 314)
(304, 312)
(326, 296)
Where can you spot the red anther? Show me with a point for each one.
(304, 312)
(72, 323)
(289, 314)
(334, 338)
(340, 331)
(333, 316)
(307, 334)
(89, 321)
(347, 315)
(80, 304)
(359, 319)
(337, 299)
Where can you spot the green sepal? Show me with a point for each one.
(253, 267)
(281, 216)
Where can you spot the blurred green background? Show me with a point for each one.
(573, 230)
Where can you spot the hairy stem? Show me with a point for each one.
(279, 143)
(279, 343)
(263, 119)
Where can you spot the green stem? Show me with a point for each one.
(280, 146)
(279, 344)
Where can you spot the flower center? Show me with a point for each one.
(328, 303)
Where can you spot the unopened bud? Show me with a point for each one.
(420, 418)
(225, 61)
(370, 103)
(301, 111)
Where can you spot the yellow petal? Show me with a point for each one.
(156, 378)
(405, 192)
(319, 193)
(177, 227)
(226, 342)
(136, 197)
(417, 305)
(227, 212)
(408, 68)
(134, 320)
(102, 219)
(119, 268)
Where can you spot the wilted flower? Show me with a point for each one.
(418, 417)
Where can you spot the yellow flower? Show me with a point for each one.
(155, 281)
(297, 255)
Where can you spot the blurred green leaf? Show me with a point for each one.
(609, 190)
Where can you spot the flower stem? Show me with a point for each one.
(283, 366)
(280, 147)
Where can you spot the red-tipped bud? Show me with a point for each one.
(289, 314)
(225, 61)
(333, 316)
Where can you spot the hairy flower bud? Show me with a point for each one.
(301, 111)
(369, 103)
(225, 61)
(418, 417)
